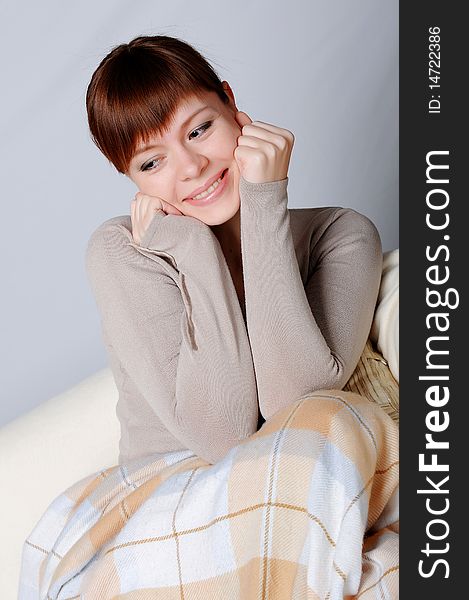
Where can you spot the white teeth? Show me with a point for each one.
(208, 191)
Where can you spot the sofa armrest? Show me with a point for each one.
(46, 451)
(385, 328)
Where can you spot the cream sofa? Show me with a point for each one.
(47, 450)
(77, 433)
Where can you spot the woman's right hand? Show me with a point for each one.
(142, 211)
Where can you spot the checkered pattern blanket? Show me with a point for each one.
(305, 508)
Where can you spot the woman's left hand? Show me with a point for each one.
(263, 151)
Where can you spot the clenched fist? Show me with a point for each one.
(263, 151)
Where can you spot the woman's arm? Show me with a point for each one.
(171, 314)
(304, 337)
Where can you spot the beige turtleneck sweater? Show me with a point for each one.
(192, 371)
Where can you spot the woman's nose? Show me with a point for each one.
(191, 164)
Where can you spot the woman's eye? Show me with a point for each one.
(202, 128)
(152, 164)
(147, 165)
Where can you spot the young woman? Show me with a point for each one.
(231, 323)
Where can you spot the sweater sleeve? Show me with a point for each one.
(304, 337)
(170, 312)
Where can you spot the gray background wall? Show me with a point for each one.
(325, 69)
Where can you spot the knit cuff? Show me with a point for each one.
(263, 194)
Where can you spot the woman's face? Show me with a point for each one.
(196, 150)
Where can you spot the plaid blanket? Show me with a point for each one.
(305, 508)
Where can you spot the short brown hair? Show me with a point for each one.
(137, 89)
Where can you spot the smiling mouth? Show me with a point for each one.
(211, 188)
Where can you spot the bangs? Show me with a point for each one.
(151, 115)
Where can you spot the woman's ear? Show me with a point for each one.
(229, 93)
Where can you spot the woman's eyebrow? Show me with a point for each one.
(153, 146)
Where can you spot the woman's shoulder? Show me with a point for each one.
(310, 215)
(116, 228)
(317, 220)
(321, 230)
(310, 222)
(111, 225)
(110, 239)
